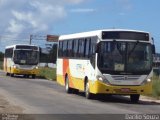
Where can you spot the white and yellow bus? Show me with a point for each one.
(21, 59)
(111, 61)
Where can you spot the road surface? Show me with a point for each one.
(40, 96)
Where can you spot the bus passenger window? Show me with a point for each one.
(87, 45)
(75, 48)
(92, 51)
(70, 52)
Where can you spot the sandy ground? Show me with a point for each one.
(6, 107)
(149, 99)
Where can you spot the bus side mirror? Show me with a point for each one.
(153, 49)
(97, 48)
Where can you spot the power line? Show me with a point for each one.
(36, 37)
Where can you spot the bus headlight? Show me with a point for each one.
(146, 81)
(99, 78)
(14, 66)
(149, 80)
(36, 67)
(102, 79)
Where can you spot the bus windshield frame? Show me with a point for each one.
(26, 57)
(123, 57)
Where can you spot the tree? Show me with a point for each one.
(53, 54)
(50, 57)
(1, 56)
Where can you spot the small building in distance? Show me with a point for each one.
(156, 60)
(156, 63)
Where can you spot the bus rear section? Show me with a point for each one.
(21, 60)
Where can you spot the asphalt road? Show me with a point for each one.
(40, 96)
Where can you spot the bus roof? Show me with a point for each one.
(13, 46)
(93, 33)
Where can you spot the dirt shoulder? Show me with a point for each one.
(149, 99)
(6, 107)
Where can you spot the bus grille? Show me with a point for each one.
(126, 77)
(25, 67)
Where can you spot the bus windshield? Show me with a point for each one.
(25, 57)
(124, 57)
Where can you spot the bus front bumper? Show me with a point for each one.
(24, 71)
(98, 87)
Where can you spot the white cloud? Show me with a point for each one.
(74, 1)
(15, 27)
(2, 2)
(125, 4)
(22, 15)
(33, 16)
(83, 10)
(40, 16)
(21, 18)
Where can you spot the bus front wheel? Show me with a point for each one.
(134, 98)
(12, 74)
(33, 76)
(68, 89)
(7, 74)
(88, 95)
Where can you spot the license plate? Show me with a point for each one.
(125, 90)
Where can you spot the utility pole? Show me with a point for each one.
(30, 41)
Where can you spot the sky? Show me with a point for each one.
(22, 18)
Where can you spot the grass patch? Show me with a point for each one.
(48, 73)
(1, 65)
(156, 87)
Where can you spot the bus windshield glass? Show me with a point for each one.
(26, 57)
(124, 57)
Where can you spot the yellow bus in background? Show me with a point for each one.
(111, 61)
(21, 59)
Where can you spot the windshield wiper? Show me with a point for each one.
(129, 53)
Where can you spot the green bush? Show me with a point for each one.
(156, 87)
(48, 73)
(1, 65)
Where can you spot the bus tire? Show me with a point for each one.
(12, 74)
(75, 91)
(7, 74)
(26, 76)
(134, 98)
(88, 95)
(67, 88)
(33, 76)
